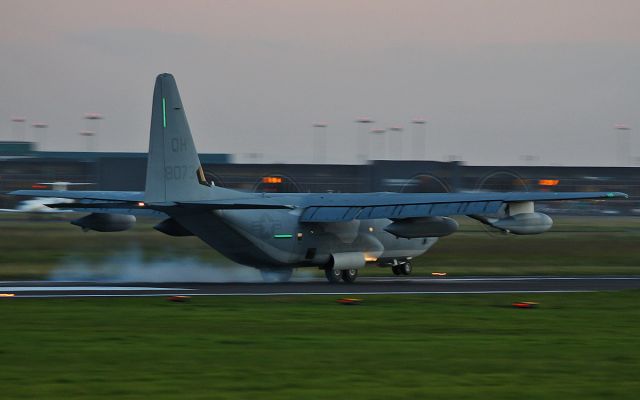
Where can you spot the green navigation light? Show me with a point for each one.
(283, 236)
(164, 113)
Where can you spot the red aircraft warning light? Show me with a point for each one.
(93, 116)
(548, 182)
(271, 179)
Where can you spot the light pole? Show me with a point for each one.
(378, 136)
(42, 127)
(19, 128)
(93, 123)
(395, 142)
(89, 135)
(362, 141)
(624, 143)
(320, 142)
(529, 159)
(418, 143)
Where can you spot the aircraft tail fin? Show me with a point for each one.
(174, 172)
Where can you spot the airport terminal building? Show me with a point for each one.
(23, 168)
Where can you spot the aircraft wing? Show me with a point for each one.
(111, 202)
(83, 194)
(339, 207)
(17, 211)
(117, 202)
(330, 207)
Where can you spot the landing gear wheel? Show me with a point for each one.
(333, 275)
(405, 269)
(396, 269)
(276, 275)
(349, 275)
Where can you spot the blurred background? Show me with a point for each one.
(23, 167)
(332, 96)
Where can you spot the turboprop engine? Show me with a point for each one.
(105, 222)
(422, 227)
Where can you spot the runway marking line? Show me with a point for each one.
(308, 294)
(82, 288)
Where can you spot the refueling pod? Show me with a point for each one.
(422, 227)
(105, 222)
(524, 224)
(519, 219)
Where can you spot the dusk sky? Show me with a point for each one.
(496, 79)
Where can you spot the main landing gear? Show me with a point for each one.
(336, 275)
(403, 268)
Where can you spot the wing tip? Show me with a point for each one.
(20, 192)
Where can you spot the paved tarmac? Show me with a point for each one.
(369, 285)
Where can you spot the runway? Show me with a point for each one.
(368, 285)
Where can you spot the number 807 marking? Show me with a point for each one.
(175, 172)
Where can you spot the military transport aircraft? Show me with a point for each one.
(276, 232)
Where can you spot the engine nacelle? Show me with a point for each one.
(423, 227)
(524, 224)
(105, 222)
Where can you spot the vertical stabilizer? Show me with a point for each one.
(174, 172)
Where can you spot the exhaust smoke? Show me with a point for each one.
(133, 267)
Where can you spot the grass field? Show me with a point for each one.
(578, 346)
(574, 346)
(33, 249)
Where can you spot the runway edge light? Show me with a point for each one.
(179, 298)
(525, 304)
(349, 301)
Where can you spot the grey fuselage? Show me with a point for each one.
(276, 238)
